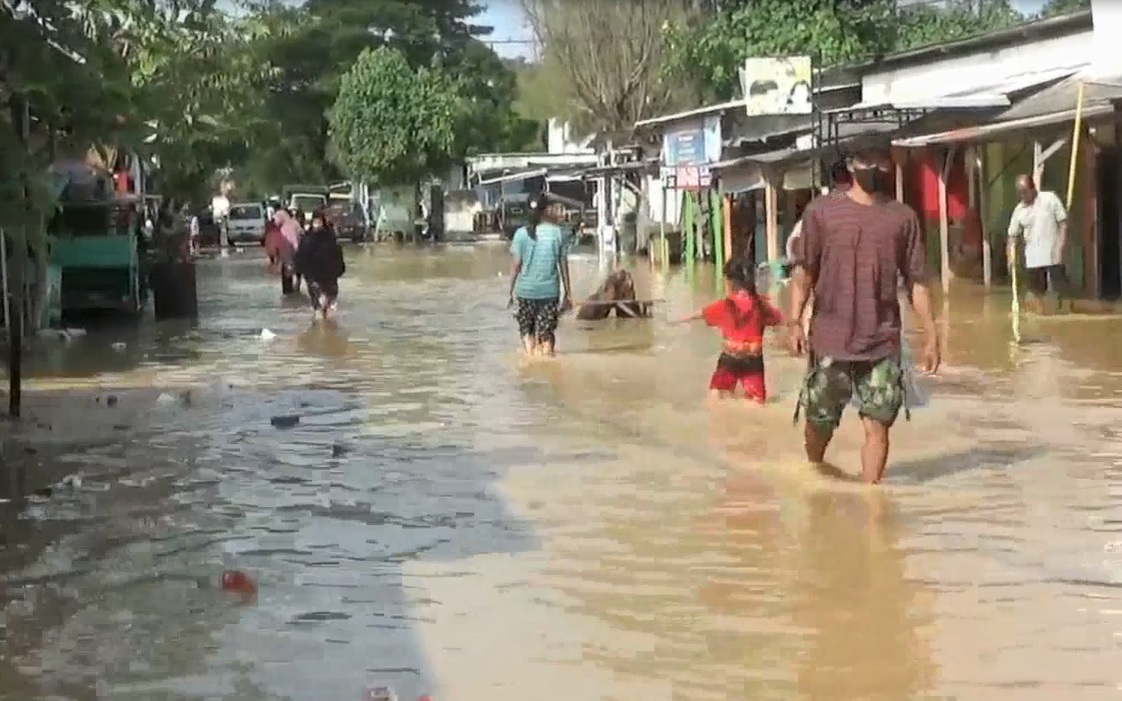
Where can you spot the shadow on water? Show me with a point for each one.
(996, 458)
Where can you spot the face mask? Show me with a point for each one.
(871, 180)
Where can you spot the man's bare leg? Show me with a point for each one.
(816, 443)
(874, 451)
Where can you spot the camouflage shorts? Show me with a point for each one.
(876, 386)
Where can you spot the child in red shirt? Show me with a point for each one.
(741, 317)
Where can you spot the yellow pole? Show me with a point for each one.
(1075, 133)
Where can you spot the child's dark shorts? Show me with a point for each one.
(747, 371)
(537, 318)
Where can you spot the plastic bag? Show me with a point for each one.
(770, 274)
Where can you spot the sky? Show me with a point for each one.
(512, 36)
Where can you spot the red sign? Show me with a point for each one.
(692, 177)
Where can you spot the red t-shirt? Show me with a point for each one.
(741, 318)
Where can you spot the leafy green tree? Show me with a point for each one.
(924, 25)
(1053, 8)
(312, 46)
(707, 51)
(392, 123)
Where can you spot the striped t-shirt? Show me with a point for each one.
(856, 253)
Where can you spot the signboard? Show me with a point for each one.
(772, 86)
(695, 144)
(687, 153)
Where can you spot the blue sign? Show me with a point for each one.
(697, 144)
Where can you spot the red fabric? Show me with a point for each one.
(725, 380)
(122, 184)
(741, 318)
(925, 175)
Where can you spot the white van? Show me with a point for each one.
(246, 224)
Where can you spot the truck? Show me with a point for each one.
(304, 199)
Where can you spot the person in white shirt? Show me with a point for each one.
(1041, 220)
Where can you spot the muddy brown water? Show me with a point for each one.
(444, 520)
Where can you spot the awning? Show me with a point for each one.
(1051, 106)
(514, 177)
(1001, 93)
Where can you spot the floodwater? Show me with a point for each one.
(446, 521)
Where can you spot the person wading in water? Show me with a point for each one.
(539, 277)
(1040, 218)
(854, 248)
(319, 261)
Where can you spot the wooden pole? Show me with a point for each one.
(664, 245)
(689, 230)
(771, 223)
(984, 217)
(1076, 132)
(717, 227)
(18, 258)
(944, 223)
(727, 228)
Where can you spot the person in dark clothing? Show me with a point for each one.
(319, 260)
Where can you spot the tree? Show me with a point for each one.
(707, 50)
(924, 25)
(392, 123)
(314, 45)
(606, 58)
(1053, 8)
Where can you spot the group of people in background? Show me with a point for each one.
(313, 258)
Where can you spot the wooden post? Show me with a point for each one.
(944, 223)
(716, 227)
(727, 228)
(664, 245)
(21, 122)
(984, 217)
(689, 231)
(771, 221)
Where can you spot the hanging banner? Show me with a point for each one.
(773, 86)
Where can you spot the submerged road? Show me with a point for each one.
(444, 520)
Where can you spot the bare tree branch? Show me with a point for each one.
(609, 54)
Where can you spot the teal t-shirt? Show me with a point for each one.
(539, 278)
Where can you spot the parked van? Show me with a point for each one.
(246, 224)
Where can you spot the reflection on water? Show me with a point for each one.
(440, 517)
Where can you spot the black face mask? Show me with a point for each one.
(871, 180)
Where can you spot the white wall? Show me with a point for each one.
(562, 140)
(985, 69)
(1106, 52)
(653, 196)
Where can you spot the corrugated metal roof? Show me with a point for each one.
(849, 135)
(1054, 105)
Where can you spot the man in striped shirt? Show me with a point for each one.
(854, 248)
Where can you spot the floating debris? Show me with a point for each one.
(286, 421)
(237, 582)
(267, 335)
(119, 346)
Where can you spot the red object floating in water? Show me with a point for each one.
(238, 582)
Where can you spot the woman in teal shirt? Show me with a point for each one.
(539, 276)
